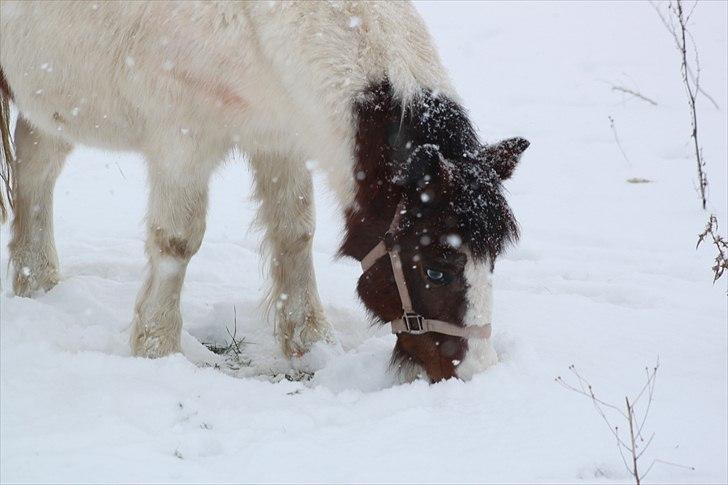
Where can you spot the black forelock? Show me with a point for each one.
(486, 223)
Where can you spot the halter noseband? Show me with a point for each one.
(412, 322)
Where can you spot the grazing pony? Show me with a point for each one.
(358, 87)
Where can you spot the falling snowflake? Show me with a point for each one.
(454, 241)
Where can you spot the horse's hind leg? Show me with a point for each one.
(285, 190)
(33, 255)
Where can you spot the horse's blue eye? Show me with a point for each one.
(436, 276)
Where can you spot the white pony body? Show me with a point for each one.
(183, 83)
(269, 77)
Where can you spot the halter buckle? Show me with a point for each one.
(414, 323)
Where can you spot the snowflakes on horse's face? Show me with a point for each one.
(423, 159)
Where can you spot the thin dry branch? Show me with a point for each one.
(702, 91)
(691, 93)
(695, 76)
(650, 387)
(676, 24)
(695, 4)
(636, 445)
(636, 94)
(618, 142)
(633, 444)
(667, 23)
(620, 445)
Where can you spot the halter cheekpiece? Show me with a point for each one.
(412, 322)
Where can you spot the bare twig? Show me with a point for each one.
(676, 24)
(633, 445)
(636, 94)
(676, 465)
(636, 445)
(616, 139)
(667, 22)
(695, 76)
(691, 92)
(650, 387)
(620, 446)
(702, 91)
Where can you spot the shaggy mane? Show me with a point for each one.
(485, 221)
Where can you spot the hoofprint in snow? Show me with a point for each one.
(605, 277)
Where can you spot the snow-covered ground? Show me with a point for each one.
(606, 277)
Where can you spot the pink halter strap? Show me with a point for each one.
(411, 321)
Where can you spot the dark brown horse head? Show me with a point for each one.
(429, 195)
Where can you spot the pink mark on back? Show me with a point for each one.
(223, 94)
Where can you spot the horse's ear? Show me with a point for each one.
(504, 155)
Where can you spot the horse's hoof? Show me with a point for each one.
(27, 281)
(302, 338)
(145, 343)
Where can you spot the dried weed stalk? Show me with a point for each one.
(633, 444)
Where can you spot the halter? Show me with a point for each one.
(412, 322)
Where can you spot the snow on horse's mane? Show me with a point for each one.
(433, 121)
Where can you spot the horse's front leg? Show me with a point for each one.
(285, 189)
(178, 192)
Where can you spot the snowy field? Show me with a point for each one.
(606, 277)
